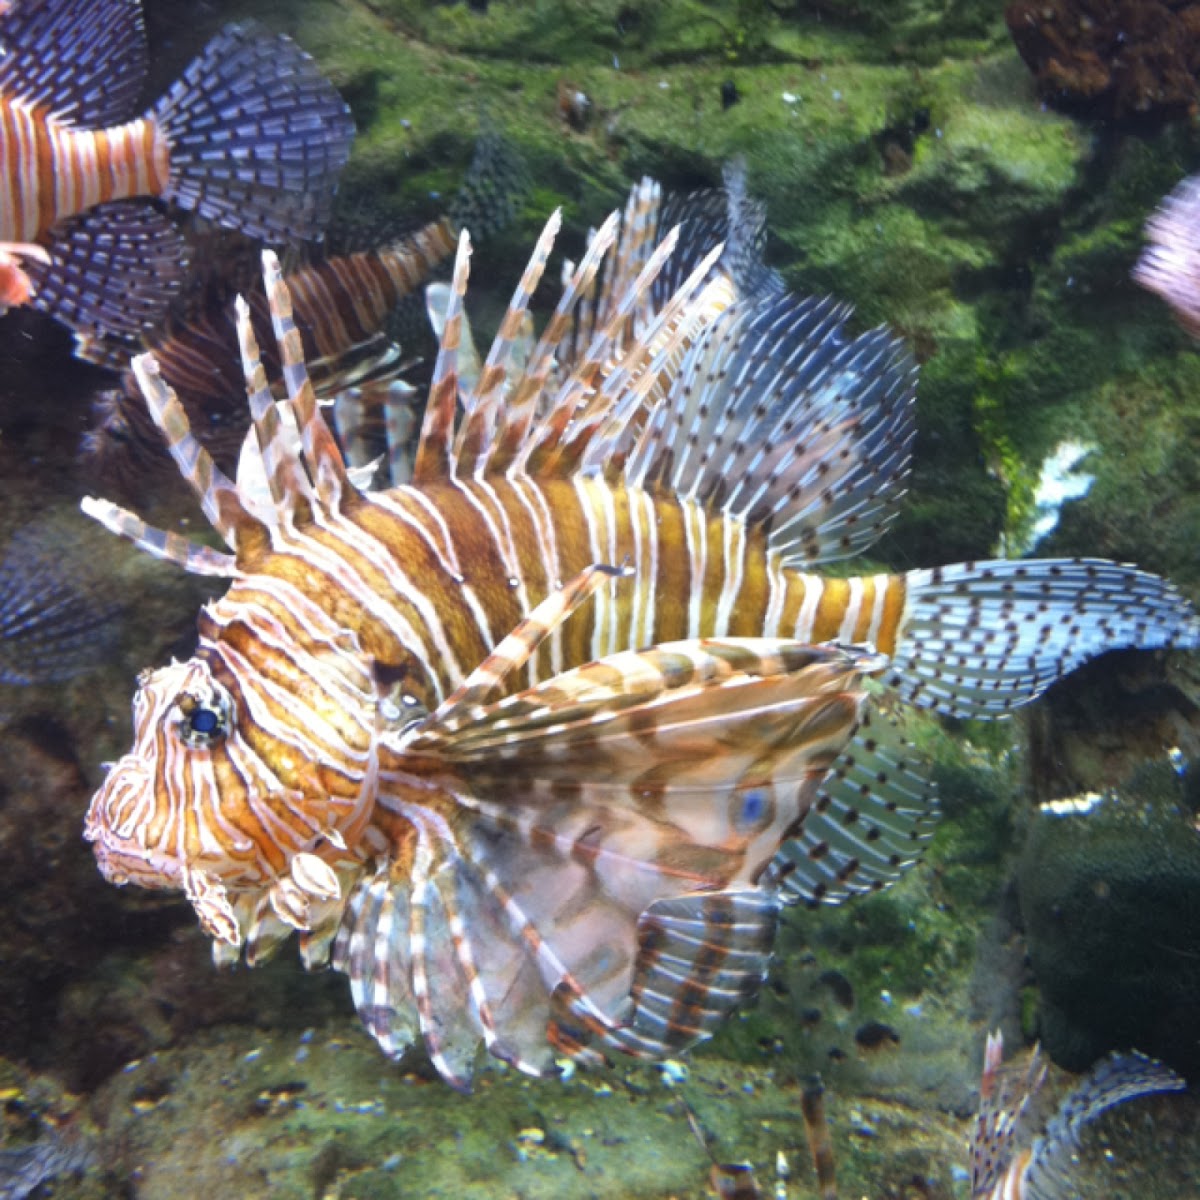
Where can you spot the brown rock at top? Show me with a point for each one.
(1130, 60)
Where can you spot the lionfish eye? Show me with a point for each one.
(203, 721)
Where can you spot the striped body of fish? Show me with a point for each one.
(1042, 1170)
(77, 166)
(535, 746)
(341, 306)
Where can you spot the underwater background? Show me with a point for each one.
(910, 162)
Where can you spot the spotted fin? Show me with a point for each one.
(980, 639)
(779, 419)
(615, 895)
(1114, 1080)
(85, 63)
(871, 820)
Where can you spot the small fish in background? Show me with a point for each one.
(1170, 264)
(251, 136)
(347, 307)
(57, 612)
(1042, 1170)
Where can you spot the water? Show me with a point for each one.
(907, 165)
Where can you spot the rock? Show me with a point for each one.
(1110, 898)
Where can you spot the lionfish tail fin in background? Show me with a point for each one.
(1044, 1170)
(604, 887)
(104, 43)
(110, 273)
(262, 98)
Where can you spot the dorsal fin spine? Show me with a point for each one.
(433, 457)
(320, 448)
(217, 494)
(478, 426)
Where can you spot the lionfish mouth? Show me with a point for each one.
(116, 826)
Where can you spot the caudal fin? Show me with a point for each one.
(979, 639)
(257, 136)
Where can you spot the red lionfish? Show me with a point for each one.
(560, 818)
(1042, 1170)
(74, 157)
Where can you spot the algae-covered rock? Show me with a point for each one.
(1110, 897)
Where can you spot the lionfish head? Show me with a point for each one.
(136, 819)
(244, 827)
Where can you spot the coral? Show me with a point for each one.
(1111, 59)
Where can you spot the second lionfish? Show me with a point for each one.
(535, 747)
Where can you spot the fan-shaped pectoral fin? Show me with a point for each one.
(580, 871)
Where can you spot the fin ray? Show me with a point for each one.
(286, 135)
(104, 43)
(597, 882)
(873, 816)
(979, 639)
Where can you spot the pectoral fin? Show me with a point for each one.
(584, 877)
